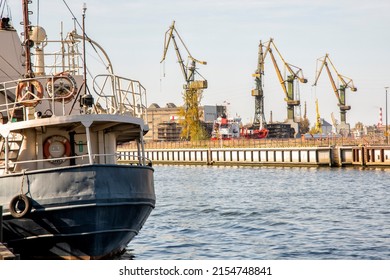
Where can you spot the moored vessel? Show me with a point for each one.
(63, 193)
(226, 128)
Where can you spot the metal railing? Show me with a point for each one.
(138, 159)
(259, 143)
(12, 104)
(127, 96)
(115, 95)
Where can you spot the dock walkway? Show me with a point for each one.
(333, 156)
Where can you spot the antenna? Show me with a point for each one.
(27, 42)
(87, 99)
(84, 55)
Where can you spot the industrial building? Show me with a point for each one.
(164, 121)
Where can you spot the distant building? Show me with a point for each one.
(211, 113)
(326, 127)
(160, 115)
(163, 121)
(169, 131)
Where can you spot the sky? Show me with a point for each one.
(226, 34)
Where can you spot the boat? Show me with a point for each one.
(253, 133)
(225, 128)
(64, 194)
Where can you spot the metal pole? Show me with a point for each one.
(386, 133)
(89, 146)
(84, 54)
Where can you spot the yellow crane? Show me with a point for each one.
(295, 74)
(345, 83)
(193, 89)
(318, 126)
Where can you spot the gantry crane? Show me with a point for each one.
(193, 89)
(295, 73)
(343, 127)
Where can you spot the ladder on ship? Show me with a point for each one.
(15, 141)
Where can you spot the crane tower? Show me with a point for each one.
(259, 118)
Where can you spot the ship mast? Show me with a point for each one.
(84, 55)
(27, 43)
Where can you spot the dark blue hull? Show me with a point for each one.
(87, 212)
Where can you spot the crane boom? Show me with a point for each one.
(188, 72)
(345, 81)
(279, 74)
(169, 35)
(298, 74)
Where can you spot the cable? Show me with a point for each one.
(86, 36)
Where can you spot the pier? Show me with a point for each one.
(301, 154)
(236, 156)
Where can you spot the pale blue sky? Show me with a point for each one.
(226, 33)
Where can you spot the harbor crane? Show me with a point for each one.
(259, 123)
(193, 89)
(318, 125)
(295, 74)
(342, 128)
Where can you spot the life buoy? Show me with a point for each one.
(29, 93)
(56, 146)
(20, 206)
(63, 86)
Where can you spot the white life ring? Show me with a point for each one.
(56, 146)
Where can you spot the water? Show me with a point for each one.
(276, 213)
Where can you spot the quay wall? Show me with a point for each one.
(334, 156)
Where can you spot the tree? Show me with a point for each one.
(304, 126)
(190, 116)
(359, 126)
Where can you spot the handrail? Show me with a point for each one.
(117, 155)
(116, 95)
(122, 89)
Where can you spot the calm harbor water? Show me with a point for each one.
(271, 213)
